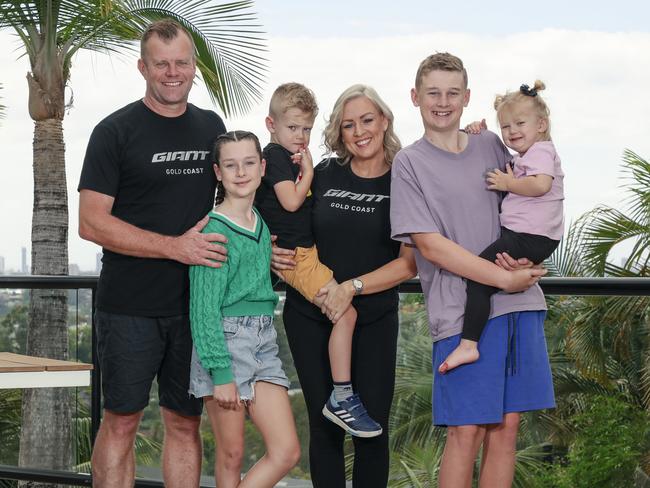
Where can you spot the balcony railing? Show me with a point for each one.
(550, 286)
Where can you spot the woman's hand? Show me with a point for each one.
(337, 300)
(281, 258)
(227, 396)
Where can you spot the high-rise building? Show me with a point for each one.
(24, 269)
(2, 265)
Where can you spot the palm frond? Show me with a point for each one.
(2, 107)
(230, 44)
(566, 259)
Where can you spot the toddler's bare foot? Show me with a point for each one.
(466, 352)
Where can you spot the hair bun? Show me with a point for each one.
(539, 85)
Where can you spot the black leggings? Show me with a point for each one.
(373, 377)
(518, 245)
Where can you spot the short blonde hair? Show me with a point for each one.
(165, 29)
(332, 133)
(293, 95)
(440, 62)
(525, 94)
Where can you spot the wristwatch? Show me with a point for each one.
(357, 284)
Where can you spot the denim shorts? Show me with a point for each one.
(513, 373)
(252, 343)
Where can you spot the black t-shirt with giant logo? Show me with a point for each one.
(292, 228)
(351, 229)
(159, 171)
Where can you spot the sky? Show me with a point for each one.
(594, 59)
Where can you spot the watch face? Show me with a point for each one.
(358, 285)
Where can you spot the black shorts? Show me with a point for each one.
(132, 350)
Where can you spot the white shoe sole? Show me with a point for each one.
(330, 416)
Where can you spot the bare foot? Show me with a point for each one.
(466, 352)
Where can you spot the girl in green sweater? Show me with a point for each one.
(235, 363)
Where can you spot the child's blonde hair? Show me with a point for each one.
(293, 95)
(525, 94)
(440, 62)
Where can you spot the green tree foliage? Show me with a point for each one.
(13, 330)
(610, 439)
(600, 345)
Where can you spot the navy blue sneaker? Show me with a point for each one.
(351, 415)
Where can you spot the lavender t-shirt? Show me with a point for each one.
(541, 215)
(433, 190)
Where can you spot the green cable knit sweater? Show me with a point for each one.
(241, 286)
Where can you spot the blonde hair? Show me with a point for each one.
(292, 95)
(332, 132)
(165, 29)
(525, 94)
(440, 62)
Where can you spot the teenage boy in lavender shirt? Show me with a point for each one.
(439, 203)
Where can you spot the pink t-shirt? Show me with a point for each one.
(541, 215)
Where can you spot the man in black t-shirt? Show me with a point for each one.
(146, 186)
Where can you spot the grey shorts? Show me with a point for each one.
(252, 342)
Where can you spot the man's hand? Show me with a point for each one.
(281, 258)
(522, 279)
(498, 180)
(227, 396)
(193, 247)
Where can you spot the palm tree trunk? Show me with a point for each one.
(45, 436)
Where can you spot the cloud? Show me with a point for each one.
(596, 89)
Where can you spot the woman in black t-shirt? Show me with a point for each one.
(351, 227)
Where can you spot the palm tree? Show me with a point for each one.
(605, 349)
(230, 60)
(604, 334)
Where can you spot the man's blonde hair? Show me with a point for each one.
(165, 29)
(292, 95)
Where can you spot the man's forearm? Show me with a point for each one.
(118, 236)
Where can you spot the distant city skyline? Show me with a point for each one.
(25, 265)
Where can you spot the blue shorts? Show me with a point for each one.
(252, 343)
(513, 373)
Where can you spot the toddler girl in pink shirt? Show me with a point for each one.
(532, 221)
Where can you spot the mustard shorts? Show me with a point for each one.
(309, 275)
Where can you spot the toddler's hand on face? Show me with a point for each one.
(498, 180)
(304, 159)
